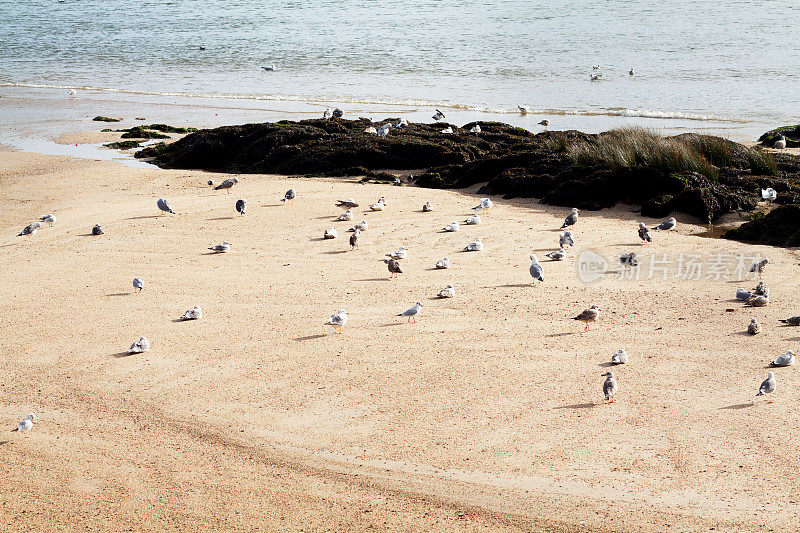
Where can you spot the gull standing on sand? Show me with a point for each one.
(558, 255)
(588, 315)
(25, 425)
(571, 219)
(758, 301)
(769, 194)
(443, 263)
(759, 267)
(619, 358)
(644, 233)
(394, 267)
(609, 386)
(744, 295)
(628, 260)
(448, 292)
(221, 248)
(438, 116)
(164, 206)
(194, 313)
(354, 239)
(453, 226)
(330, 233)
(792, 321)
(565, 237)
(412, 313)
(142, 345)
(780, 144)
(138, 283)
(768, 385)
(346, 216)
(485, 205)
(427, 207)
(400, 253)
(785, 359)
(761, 289)
(30, 229)
(380, 205)
(97, 230)
(290, 195)
(473, 220)
(227, 184)
(474, 246)
(241, 205)
(754, 328)
(49, 219)
(338, 320)
(361, 226)
(536, 270)
(667, 225)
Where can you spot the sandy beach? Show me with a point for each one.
(487, 413)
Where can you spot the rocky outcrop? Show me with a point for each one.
(779, 227)
(792, 134)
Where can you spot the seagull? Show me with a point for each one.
(786, 359)
(558, 255)
(412, 313)
(164, 206)
(474, 246)
(290, 195)
(193, 314)
(571, 219)
(427, 207)
(354, 239)
(371, 130)
(609, 386)
(754, 328)
(761, 289)
(472, 220)
(620, 358)
(453, 226)
(780, 144)
(72, 92)
(221, 248)
(438, 116)
(138, 283)
(448, 292)
(269, 68)
(97, 230)
(227, 184)
(448, 129)
(337, 113)
(759, 267)
(402, 123)
(326, 114)
(768, 385)
(142, 345)
(394, 267)
(744, 295)
(397, 182)
(346, 216)
(523, 109)
(596, 67)
(631, 72)
(588, 315)
(544, 123)
(668, 224)
(443, 263)
(383, 131)
(49, 219)
(378, 206)
(475, 129)
(210, 183)
(362, 226)
(30, 229)
(349, 203)
(628, 260)
(338, 320)
(792, 321)
(241, 205)
(758, 301)
(25, 425)
(565, 237)
(644, 233)
(400, 253)
(330, 233)
(768, 194)
(485, 205)
(595, 77)
(536, 269)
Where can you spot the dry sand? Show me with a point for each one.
(486, 413)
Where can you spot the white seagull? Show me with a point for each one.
(485, 205)
(785, 359)
(25, 425)
(667, 225)
(475, 129)
(193, 314)
(221, 248)
(164, 206)
(330, 233)
(443, 263)
(768, 194)
(565, 237)
(474, 246)
(49, 219)
(473, 219)
(361, 226)
(338, 320)
(142, 345)
(448, 292)
(138, 283)
(453, 226)
(536, 269)
(412, 313)
(448, 129)
(346, 216)
(620, 358)
(780, 144)
(768, 385)
(400, 253)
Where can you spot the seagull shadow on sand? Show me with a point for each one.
(607, 365)
(512, 286)
(309, 337)
(392, 324)
(738, 406)
(144, 216)
(121, 355)
(119, 294)
(375, 279)
(212, 253)
(221, 218)
(335, 252)
(627, 244)
(577, 406)
(564, 334)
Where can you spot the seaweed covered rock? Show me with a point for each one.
(780, 227)
(141, 132)
(792, 134)
(100, 118)
(122, 145)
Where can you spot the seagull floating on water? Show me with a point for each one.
(754, 328)
(448, 292)
(142, 345)
(474, 246)
(164, 206)
(631, 72)
(330, 233)
(523, 109)
(338, 320)
(785, 359)
(25, 425)
(221, 248)
(227, 184)
(194, 313)
(609, 386)
(536, 269)
(412, 313)
(241, 205)
(544, 123)
(138, 283)
(595, 77)
(269, 68)
(443, 263)
(588, 315)
(290, 195)
(438, 116)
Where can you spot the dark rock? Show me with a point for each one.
(792, 134)
(338, 113)
(780, 227)
(100, 118)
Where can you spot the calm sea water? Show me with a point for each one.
(731, 67)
